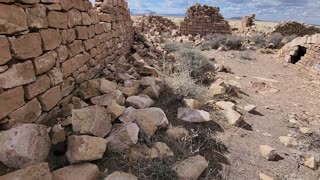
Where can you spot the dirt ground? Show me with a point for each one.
(290, 93)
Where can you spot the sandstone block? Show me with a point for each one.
(85, 171)
(191, 168)
(38, 171)
(149, 119)
(11, 100)
(193, 115)
(45, 62)
(62, 53)
(66, 4)
(268, 152)
(24, 145)
(50, 98)
(51, 39)
(74, 18)
(121, 175)
(107, 86)
(92, 120)
(68, 36)
(37, 16)
(39, 86)
(58, 19)
(17, 75)
(85, 148)
(56, 76)
(140, 102)
(13, 19)
(177, 133)
(26, 46)
(142, 151)
(106, 99)
(5, 54)
(86, 19)
(82, 32)
(28, 113)
(122, 137)
(75, 48)
(71, 65)
(115, 110)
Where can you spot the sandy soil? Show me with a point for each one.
(297, 94)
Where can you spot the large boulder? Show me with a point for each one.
(140, 102)
(149, 119)
(24, 145)
(123, 136)
(191, 168)
(121, 176)
(193, 115)
(85, 171)
(85, 148)
(92, 120)
(33, 172)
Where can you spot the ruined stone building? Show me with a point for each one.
(304, 52)
(49, 48)
(295, 28)
(248, 22)
(204, 20)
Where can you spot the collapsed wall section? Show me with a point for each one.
(304, 52)
(204, 20)
(48, 48)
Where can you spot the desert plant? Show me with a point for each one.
(259, 40)
(276, 39)
(205, 46)
(290, 38)
(234, 42)
(215, 40)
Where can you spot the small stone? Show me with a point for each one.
(85, 148)
(217, 88)
(24, 145)
(105, 100)
(250, 108)
(288, 141)
(38, 171)
(311, 163)
(115, 110)
(193, 115)
(140, 102)
(92, 120)
(85, 171)
(117, 175)
(192, 103)
(107, 87)
(268, 152)
(265, 177)
(142, 151)
(305, 130)
(191, 168)
(123, 136)
(232, 116)
(177, 133)
(226, 105)
(149, 119)
(59, 134)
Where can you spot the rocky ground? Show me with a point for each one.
(287, 105)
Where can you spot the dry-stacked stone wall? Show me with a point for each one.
(304, 52)
(204, 20)
(48, 48)
(295, 28)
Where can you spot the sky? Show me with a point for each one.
(306, 11)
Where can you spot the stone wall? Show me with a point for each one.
(307, 46)
(295, 28)
(48, 48)
(204, 20)
(247, 23)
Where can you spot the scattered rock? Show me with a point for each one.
(24, 145)
(177, 133)
(217, 88)
(91, 120)
(85, 171)
(115, 110)
(265, 177)
(311, 163)
(226, 105)
(117, 175)
(232, 116)
(250, 108)
(107, 86)
(142, 151)
(38, 171)
(191, 168)
(192, 103)
(123, 136)
(288, 141)
(268, 152)
(105, 100)
(305, 130)
(193, 115)
(140, 102)
(58, 134)
(85, 148)
(149, 119)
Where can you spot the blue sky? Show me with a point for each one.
(279, 10)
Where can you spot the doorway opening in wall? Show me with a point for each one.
(300, 52)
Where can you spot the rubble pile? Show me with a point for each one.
(304, 52)
(154, 25)
(248, 23)
(295, 28)
(204, 20)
